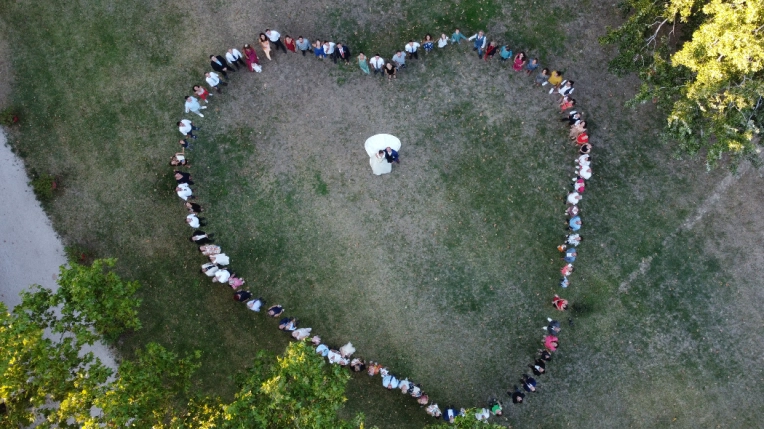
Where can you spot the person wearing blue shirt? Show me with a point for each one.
(570, 255)
(575, 223)
(505, 53)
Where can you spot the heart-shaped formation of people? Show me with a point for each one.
(218, 266)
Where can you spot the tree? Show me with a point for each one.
(89, 298)
(297, 390)
(702, 63)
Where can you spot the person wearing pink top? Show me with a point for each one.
(550, 343)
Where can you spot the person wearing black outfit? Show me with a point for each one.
(538, 367)
(545, 355)
(341, 51)
(193, 207)
(182, 177)
(517, 395)
(200, 237)
(529, 383)
(219, 65)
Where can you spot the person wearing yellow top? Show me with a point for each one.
(555, 80)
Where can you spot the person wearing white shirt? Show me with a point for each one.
(222, 276)
(275, 38)
(234, 58)
(329, 48)
(213, 80)
(220, 259)
(209, 269)
(411, 49)
(255, 304)
(443, 41)
(480, 43)
(192, 105)
(377, 64)
(185, 126)
(184, 191)
(193, 221)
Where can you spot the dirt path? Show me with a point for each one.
(31, 251)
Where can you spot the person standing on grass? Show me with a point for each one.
(479, 44)
(520, 61)
(201, 92)
(443, 41)
(411, 49)
(194, 222)
(517, 396)
(391, 155)
(529, 383)
(265, 44)
(184, 192)
(234, 58)
(555, 79)
(567, 103)
(342, 52)
(318, 50)
(551, 343)
(532, 66)
(303, 45)
(181, 177)
(251, 56)
(200, 237)
(428, 43)
(193, 207)
(490, 51)
(179, 159)
(214, 81)
(289, 43)
(186, 127)
(542, 78)
(391, 72)
(538, 367)
(457, 37)
(192, 105)
(219, 65)
(399, 60)
(275, 38)
(559, 303)
(377, 64)
(505, 53)
(570, 254)
(329, 50)
(362, 63)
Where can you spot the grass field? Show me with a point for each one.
(442, 270)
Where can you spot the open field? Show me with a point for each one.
(442, 270)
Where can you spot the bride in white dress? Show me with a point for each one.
(379, 164)
(376, 144)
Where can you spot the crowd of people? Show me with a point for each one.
(217, 266)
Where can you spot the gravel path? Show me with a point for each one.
(31, 251)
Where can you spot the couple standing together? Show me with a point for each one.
(383, 152)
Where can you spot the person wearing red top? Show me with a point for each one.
(559, 303)
(566, 103)
(289, 43)
(490, 51)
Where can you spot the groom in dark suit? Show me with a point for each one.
(391, 155)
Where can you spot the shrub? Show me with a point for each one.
(8, 117)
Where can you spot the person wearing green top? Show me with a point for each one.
(457, 37)
(496, 408)
(362, 63)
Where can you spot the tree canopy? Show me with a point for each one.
(702, 63)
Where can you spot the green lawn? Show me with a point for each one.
(443, 270)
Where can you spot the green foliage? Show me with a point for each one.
(707, 75)
(43, 186)
(143, 394)
(8, 117)
(298, 389)
(35, 370)
(89, 297)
